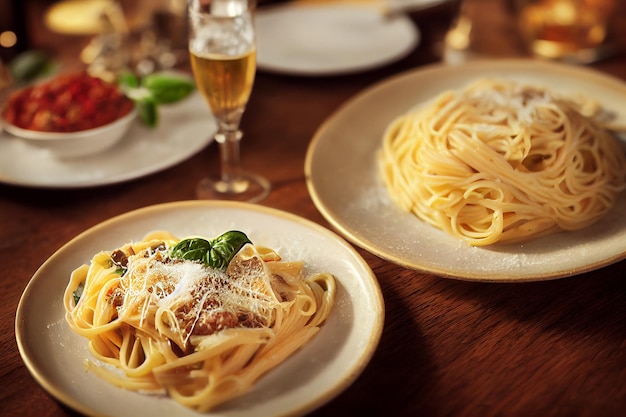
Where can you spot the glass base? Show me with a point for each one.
(248, 187)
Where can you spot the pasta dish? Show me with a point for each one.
(500, 161)
(198, 320)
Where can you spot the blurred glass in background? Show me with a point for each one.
(572, 30)
(108, 35)
(575, 31)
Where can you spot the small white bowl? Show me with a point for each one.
(76, 144)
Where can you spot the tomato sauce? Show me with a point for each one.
(67, 103)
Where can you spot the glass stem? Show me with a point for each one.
(228, 140)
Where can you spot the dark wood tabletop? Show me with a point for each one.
(448, 348)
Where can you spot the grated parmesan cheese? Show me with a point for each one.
(200, 299)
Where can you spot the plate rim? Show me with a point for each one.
(425, 70)
(282, 69)
(369, 283)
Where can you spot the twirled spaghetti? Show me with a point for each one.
(501, 161)
(169, 323)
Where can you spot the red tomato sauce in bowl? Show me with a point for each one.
(68, 103)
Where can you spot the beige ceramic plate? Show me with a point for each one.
(343, 180)
(313, 375)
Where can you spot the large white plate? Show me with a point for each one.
(344, 182)
(330, 39)
(183, 130)
(313, 375)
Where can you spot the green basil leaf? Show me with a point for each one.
(193, 249)
(225, 247)
(167, 88)
(216, 253)
(29, 66)
(152, 90)
(127, 81)
(148, 112)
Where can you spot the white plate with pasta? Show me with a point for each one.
(347, 147)
(328, 363)
(184, 129)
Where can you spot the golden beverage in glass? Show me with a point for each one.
(225, 81)
(222, 51)
(565, 29)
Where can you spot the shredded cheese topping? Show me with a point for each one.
(193, 298)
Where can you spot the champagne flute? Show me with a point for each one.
(222, 50)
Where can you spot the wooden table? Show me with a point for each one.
(449, 347)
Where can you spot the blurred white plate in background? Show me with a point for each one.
(330, 38)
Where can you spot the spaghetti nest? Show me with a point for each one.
(201, 335)
(502, 162)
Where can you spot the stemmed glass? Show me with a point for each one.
(222, 50)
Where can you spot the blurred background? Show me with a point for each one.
(151, 35)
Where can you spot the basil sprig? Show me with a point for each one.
(153, 90)
(216, 253)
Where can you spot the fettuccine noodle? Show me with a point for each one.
(503, 162)
(198, 334)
